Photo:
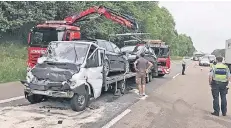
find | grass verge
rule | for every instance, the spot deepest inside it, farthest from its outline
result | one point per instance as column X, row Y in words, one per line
column 176, row 58
column 13, row 62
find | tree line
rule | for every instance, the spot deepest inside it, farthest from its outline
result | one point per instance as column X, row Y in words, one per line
column 16, row 19
column 219, row 52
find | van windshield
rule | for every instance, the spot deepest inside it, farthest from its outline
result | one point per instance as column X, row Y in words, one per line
column 67, row 52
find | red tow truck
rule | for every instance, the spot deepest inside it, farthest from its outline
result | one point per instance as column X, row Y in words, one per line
column 162, row 51
column 66, row 30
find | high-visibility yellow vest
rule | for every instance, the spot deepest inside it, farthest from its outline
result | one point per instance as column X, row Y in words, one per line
column 220, row 72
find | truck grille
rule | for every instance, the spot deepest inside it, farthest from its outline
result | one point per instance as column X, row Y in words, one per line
column 34, row 58
column 161, row 63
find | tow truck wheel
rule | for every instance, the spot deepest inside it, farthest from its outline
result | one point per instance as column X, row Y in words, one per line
column 106, row 67
column 161, row 75
column 147, row 79
column 79, row 102
column 150, row 77
column 122, row 87
column 33, row 98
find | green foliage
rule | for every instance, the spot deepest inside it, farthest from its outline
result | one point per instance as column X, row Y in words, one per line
column 16, row 18
column 219, row 52
column 13, row 64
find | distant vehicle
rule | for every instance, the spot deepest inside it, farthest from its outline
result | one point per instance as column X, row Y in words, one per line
column 135, row 51
column 187, row 57
column 195, row 58
column 212, row 58
column 204, row 62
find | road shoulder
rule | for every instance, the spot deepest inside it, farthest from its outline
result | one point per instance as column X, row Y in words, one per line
column 185, row 101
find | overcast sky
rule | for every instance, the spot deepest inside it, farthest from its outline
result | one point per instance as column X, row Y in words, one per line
column 208, row 23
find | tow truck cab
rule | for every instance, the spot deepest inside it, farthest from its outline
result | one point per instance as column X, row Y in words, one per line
column 41, row 35
column 162, row 51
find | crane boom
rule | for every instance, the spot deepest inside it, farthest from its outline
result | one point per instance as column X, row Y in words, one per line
column 122, row 19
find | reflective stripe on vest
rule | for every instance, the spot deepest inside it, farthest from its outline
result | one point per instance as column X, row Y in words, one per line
column 220, row 72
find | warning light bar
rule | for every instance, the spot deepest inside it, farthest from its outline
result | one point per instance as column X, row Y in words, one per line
column 55, row 22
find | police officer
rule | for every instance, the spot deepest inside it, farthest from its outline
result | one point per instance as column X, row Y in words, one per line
column 183, row 66
column 219, row 80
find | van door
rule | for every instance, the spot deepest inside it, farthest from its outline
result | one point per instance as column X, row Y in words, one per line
column 94, row 70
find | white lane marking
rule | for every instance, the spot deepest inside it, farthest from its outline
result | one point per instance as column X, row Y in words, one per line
column 11, row 99
column 176, row 75
column 116, row 119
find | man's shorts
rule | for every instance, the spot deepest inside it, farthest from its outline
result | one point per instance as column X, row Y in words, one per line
column 141, row 78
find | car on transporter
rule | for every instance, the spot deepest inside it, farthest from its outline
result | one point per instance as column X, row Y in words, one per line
column 134, row 51
column 116, row 61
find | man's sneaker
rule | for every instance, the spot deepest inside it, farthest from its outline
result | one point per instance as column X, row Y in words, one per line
column 215, row 114
column 224, row 114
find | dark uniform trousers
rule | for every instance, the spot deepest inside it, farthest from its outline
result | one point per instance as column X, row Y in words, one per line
column 219, row 88
column 183, row 69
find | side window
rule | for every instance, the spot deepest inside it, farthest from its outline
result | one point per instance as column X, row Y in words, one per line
column 109, row 47
column 102, row 44
column 116, row 49
column 93, row 61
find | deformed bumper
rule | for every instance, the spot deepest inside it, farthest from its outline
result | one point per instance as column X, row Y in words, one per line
column 60, row 94
column 163, row 70
column 63, row 91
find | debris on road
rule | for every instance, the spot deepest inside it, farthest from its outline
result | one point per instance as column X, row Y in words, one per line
column 38, row 116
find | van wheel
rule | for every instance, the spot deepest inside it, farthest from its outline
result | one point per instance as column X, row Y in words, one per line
column 79, row 102
column 34, row 98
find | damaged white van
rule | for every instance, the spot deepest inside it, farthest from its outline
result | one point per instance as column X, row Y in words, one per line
column 72, row 70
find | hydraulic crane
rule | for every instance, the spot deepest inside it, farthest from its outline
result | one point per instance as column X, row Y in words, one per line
column 66, row 30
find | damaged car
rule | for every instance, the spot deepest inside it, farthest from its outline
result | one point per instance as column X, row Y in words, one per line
column 67, row 70
column 133, row 52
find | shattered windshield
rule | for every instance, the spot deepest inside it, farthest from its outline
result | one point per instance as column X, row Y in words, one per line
column 67, row 52
column 42, row 37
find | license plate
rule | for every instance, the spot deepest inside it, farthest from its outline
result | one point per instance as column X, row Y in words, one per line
column 41, row 92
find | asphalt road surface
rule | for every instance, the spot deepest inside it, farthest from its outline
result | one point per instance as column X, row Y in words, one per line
column 15, row 111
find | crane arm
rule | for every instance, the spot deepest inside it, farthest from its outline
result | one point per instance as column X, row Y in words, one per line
column 122, row 19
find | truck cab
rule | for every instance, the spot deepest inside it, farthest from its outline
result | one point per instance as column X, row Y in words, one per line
column 163, row 54
column 228, row 53
column 42, row 34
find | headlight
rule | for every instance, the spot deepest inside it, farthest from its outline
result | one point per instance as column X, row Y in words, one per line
column 29, row 77
column 69, row 82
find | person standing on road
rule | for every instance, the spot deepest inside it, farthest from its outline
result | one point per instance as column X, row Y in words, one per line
column 142, row 67
column 219, row 78
column 183, row 66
